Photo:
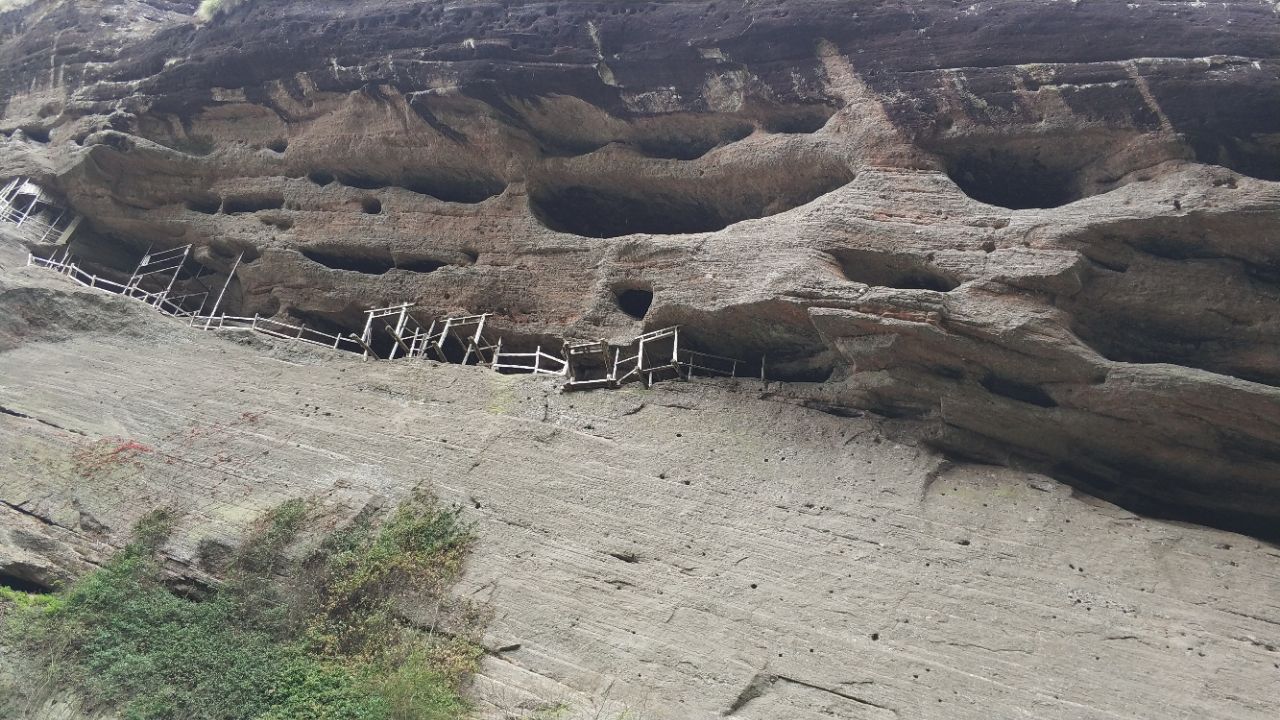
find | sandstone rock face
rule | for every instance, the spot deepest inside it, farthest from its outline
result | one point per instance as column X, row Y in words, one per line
column 1039, row 236
column 1046, row 230
column 697, row 550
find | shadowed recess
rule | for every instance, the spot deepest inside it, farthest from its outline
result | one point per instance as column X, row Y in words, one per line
column 656, row 205
column 894, row 270
column 1012, row 181
column 634, row 302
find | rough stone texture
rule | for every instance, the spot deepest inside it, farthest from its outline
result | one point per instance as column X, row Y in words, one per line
column 692, row 551
column 799, row 180
column 1037, row 235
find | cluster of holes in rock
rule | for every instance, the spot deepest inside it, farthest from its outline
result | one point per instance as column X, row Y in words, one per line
column 902, row 271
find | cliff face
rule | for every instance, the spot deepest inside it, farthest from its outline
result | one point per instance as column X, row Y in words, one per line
column 1046, row 230
column 1037, row 235
column 690, row 552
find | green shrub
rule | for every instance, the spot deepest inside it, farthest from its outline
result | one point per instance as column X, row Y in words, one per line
column 327, row 644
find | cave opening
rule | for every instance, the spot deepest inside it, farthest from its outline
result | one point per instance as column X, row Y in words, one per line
column 253, row 203
column 362, row 260
column 659, row 204
column 1247, row 156
column 320, row 178
column 1013, row 181
column 205, row 204
column 23, row 584
column 598, row 213
column 691, row 146
column 362, row 182
column 455, row 189
column 901, row 271
column 278, row 145
column 468, row 190
column 419, row 265
column 635, row 302
column 37, row 134
column 1019, row 391
column 371, row 206
column 798, row 123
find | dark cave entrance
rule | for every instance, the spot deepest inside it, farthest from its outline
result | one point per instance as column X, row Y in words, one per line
column 23, row 584
column 1013, row 181
column 605, row 214
column 901, row 271
column 635, row 302
column 1251, row 157
column 367, row 261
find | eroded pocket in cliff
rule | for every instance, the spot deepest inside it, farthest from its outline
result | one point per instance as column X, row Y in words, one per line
column 1013, row 180
column 379, row 261
column 1136, row 309
column 456, row 188
column 675, row 203
column 902, row 271
column 1034, row 171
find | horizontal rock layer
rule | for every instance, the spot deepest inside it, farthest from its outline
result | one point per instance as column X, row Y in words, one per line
column 698, row 550
column 1044, row 232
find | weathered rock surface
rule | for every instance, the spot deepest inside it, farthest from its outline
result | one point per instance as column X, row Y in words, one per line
column 1041, row 236
column 802, row 181
column 693, row 551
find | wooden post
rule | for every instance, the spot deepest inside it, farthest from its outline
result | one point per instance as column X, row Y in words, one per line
column 52, row 226
column 367, row 350
column 762, row 362
column 404, row 318
column 367, row 336
column 218, row 302
column 145, row 257
column 176, row 272
column 65, row 237
column 537, row 357
column 399, row 341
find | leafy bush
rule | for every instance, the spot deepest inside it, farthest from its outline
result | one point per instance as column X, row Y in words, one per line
column 327, row 644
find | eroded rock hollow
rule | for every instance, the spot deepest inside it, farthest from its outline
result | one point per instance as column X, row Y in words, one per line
column 1043, row 232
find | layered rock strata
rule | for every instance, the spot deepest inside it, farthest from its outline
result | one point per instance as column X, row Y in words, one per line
column 1044, row 231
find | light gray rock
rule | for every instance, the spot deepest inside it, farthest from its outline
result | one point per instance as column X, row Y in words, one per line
column 693, row 551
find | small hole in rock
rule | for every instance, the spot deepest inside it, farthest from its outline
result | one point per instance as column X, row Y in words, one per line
column 635, row 302
column 371, row 206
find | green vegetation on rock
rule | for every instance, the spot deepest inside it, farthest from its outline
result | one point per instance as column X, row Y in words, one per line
column 321, row 634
